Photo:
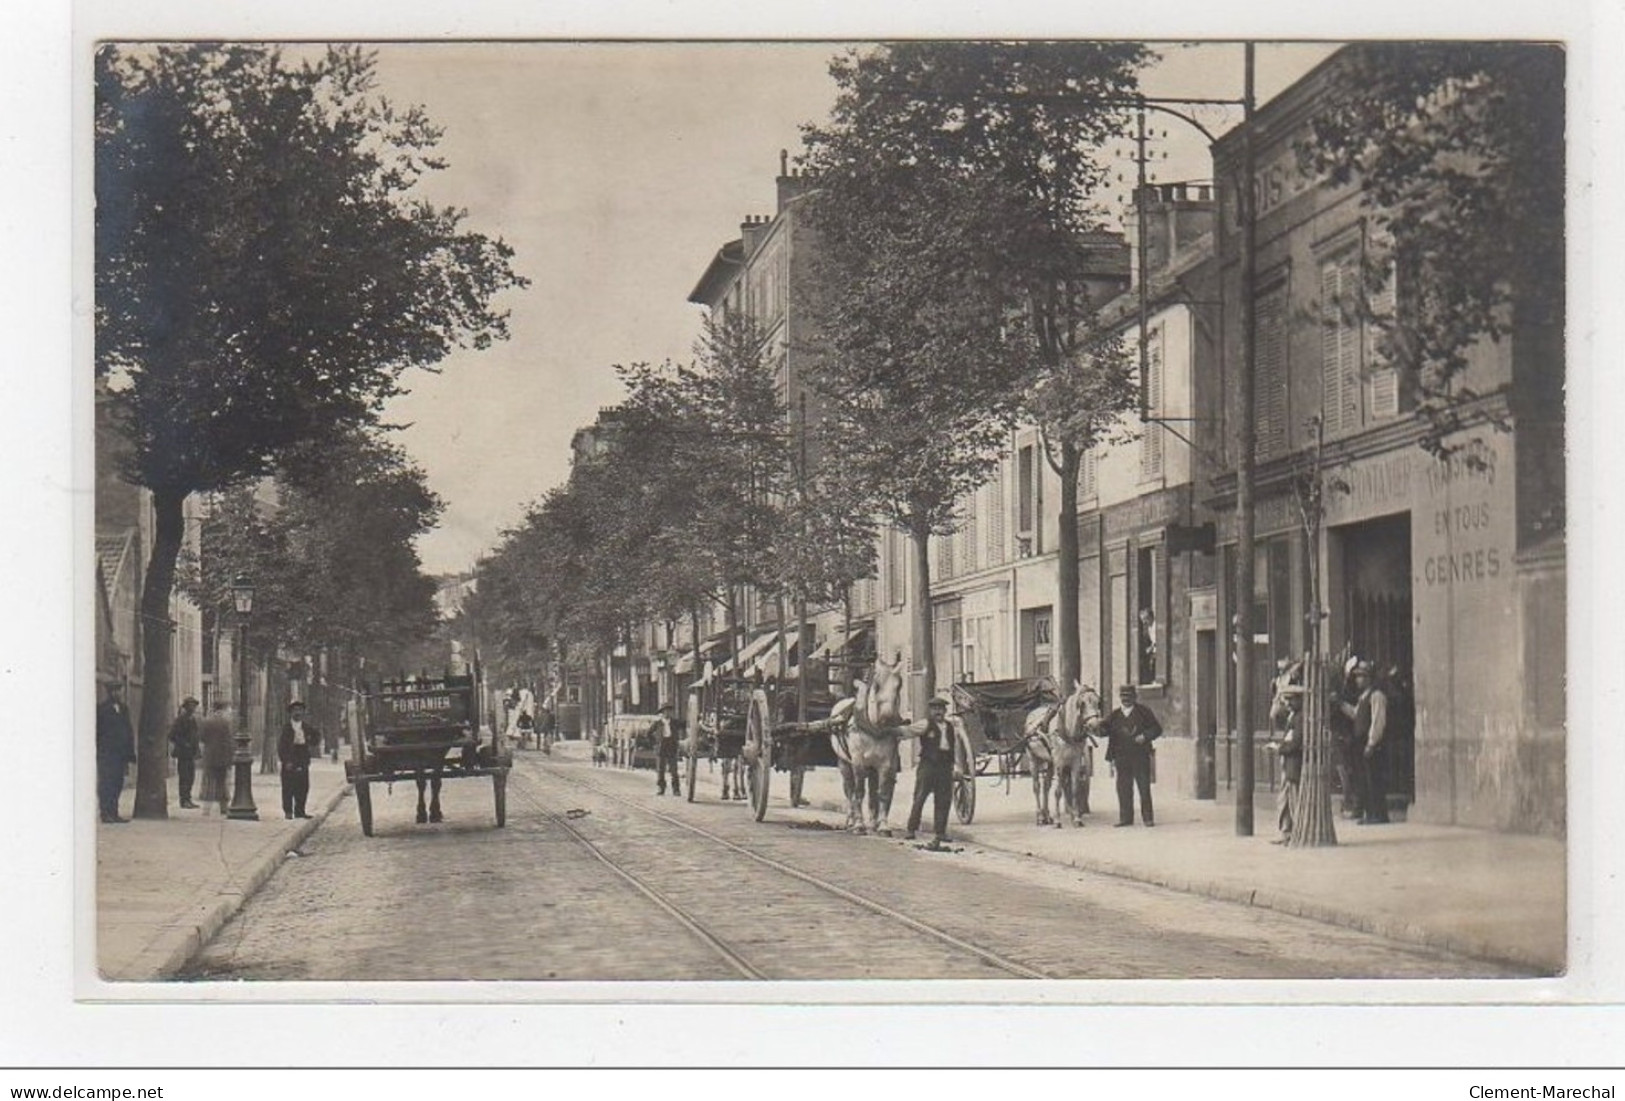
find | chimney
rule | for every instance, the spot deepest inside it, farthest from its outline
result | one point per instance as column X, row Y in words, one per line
column 751, row 231
column 1176, row 214
column 791, row 183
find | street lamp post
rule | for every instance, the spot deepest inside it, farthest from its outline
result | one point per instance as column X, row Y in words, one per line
column 242, row 795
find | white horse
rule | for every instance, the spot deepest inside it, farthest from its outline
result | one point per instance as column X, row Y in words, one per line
column 867, row 747
column 1060, row 743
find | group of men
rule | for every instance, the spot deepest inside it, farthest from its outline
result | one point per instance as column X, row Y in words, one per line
column 209, row 741
column 1358, row 716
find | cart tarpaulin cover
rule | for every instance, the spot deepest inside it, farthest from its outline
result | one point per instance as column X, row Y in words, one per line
column 994, row 713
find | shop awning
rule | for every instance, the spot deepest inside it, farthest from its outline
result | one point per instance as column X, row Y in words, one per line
column 744, row 659
column 838, row 644
column 708, row 651
column 768, row 663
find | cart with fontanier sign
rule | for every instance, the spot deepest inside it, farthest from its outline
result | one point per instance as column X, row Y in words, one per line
column 425, row 729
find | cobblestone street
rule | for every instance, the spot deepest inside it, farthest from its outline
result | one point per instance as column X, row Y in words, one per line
column 597, row 878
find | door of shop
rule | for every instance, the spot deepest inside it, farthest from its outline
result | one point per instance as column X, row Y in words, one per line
column 1377, row 616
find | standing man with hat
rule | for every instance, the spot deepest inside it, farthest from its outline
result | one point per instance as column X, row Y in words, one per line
column 671, row 738
column 293, row 749
column 1370, row 715
column 183, row 743
column 934, row 774
column 115, row 748
column 1131, row 731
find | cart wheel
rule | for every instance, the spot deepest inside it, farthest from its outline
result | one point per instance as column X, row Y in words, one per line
column 499, row 788
column 964, row 776
column 759, row 751
column 363, row 802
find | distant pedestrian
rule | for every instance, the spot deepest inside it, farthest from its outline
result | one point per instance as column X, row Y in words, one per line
column 293, row 749
column 1131, row 734
column 115, row 749
column 671, row 737
column 216, row 735
column 1290, row 748
column 1370, row 716
column 183, row 744
column 934, row 773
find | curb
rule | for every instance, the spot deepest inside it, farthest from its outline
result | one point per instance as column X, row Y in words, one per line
column 193, row 940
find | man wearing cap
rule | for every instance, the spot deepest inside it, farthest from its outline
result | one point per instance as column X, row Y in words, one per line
column 115, row 749
column 671, row 739
column 183, row 744
column 293, row 749
column 934, row 774
column 1131, row 731
column 1370, row 716
column 1346, row 758
column 1290, row 747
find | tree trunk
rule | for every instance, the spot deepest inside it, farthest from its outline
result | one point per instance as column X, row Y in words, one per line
column 157, row 671
column 1070, row 668
column 923, row 649
column 1314, row 825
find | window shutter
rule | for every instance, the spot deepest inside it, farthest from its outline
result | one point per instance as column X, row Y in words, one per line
column 1269, row 383
column 1382, row 398
column 1339, row 347
column 995, row 519
column 1089, row 476
column 970, row 547
column 1151, row 442
column 1025, row 476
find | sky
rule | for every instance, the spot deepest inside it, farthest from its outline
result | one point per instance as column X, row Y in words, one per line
column 616, row 170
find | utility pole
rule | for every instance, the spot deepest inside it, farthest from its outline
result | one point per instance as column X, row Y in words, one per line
column 1246, row 440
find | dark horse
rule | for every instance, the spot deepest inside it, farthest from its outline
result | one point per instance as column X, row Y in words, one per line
column 429, row 779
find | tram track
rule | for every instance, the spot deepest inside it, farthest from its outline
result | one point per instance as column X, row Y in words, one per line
column 704, row 931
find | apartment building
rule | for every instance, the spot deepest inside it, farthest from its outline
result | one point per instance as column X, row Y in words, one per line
column 1448, row 571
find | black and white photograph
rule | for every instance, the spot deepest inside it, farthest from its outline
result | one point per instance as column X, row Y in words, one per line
column 923, row 509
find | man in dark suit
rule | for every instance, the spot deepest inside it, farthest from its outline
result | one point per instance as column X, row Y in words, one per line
column 115, row 749
column 183, row 744
column 293, row 749
column 670, row 740
column 1131, row 732
column 934, row 774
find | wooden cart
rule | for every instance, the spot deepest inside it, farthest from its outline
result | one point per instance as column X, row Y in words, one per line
column 425, row 728
column 993, row 716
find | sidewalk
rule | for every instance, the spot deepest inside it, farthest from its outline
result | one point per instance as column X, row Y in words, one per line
column 164, row 887
column 1489, row 895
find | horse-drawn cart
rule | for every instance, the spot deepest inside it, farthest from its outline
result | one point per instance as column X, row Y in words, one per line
column 776, row 740
column 424, row 729
column 995, row 716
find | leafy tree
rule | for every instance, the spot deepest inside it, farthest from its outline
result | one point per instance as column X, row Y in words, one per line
column 956, row 196
column 264, row 277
